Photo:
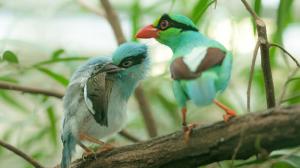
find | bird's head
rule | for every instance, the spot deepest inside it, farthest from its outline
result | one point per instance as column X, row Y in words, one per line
column 167, row 27
column 133, row 58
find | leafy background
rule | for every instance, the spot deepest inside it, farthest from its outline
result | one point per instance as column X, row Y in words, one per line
column 42, row 42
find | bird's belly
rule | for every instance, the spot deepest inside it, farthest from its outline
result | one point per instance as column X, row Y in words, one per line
column 116, row 121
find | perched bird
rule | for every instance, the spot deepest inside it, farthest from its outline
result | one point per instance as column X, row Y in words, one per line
column 200, row 66
column 96, row 98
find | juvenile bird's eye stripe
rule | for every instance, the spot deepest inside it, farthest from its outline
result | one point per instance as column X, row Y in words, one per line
column 138, row 59
column 173, row 23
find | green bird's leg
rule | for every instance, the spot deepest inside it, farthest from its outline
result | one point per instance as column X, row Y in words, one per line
column 229, row 112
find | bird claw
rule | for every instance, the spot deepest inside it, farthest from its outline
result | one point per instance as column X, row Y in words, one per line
column 86, row 154
column 229, row 114
column 105, row 147
column 187, row 132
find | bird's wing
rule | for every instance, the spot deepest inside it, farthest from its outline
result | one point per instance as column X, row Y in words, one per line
column 198, row 60
column 97, row 91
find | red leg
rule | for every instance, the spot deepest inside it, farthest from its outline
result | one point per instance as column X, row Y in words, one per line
column 183, row 113
column 87, row 151
column 104, row 147
column 229, row 112
column 187, row 129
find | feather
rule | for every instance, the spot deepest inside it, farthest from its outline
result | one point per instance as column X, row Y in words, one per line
column 97, row 91
column 198, row 61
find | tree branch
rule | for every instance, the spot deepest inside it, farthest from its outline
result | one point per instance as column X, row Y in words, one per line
column 139, row 93
column 147, row 114
column 21, row 154
column 10, row 86
column 114, row 21
column 265, row 56
column 274, row 129
column 87, row 6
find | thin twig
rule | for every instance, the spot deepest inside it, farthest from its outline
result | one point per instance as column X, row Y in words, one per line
column 290, row 98
column 114, row 21
column 285, row 51
column 25, row 89
column 251, row 75
column 139, row 93
column 216, row 3
column 128, row 136
column 89, row 7
column 254, row 15
column 237, row 148
column 289, row 79
column 21, row 154
column 265, row 56
column 147, row 114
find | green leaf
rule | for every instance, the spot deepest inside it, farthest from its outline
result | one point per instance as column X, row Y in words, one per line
column 35, row 138
column 57, row 53
column 255, row 161
column 10, row 57
column 284, row 17
column 59, row 60
column 170, row 107
column 8, row 79
column 283, row 164
column 52, row 120
column 199, row 9
column 11, row 100
column 135, row 18
column 257, row 9
column 57, row 77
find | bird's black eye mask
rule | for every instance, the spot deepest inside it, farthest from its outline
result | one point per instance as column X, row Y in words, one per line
column 166, row 22
column 132, row 60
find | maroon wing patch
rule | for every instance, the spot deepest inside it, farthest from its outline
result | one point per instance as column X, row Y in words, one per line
column 179, row 70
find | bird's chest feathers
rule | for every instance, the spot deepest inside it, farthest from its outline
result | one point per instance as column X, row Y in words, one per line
column 197, row 61
column 194, row 58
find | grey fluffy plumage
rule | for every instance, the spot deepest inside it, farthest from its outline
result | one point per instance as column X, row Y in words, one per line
column 96, row 97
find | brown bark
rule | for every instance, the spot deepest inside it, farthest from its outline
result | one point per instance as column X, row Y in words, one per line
column 275, row 129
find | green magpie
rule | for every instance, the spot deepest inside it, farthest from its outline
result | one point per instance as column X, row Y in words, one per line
column 96, row 97
column 200, row 66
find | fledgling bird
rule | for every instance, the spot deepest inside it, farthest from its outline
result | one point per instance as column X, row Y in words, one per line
column 200, row 66
column 96, row 97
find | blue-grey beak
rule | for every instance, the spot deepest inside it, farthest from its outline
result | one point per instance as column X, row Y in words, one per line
column 112, row 68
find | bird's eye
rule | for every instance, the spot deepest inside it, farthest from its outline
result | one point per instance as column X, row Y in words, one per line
column 164, row 24
column 127, row 64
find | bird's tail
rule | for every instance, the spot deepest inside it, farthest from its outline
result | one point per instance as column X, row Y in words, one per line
column 69, row 143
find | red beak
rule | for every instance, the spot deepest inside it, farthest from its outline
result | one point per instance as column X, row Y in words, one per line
column 148, row 32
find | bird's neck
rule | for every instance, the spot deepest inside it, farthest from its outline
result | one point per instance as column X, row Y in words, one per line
column 126, row 88
column 128, row 79
column 182, row 43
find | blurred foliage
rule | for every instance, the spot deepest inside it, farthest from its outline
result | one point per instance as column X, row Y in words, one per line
column 32, row 122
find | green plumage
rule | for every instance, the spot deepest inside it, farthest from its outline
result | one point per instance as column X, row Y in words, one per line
column 205, row 87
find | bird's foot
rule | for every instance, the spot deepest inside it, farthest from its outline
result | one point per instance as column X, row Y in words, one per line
column 187, row 132
column 105, row 147
column 229, row 114
column 87, row 153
